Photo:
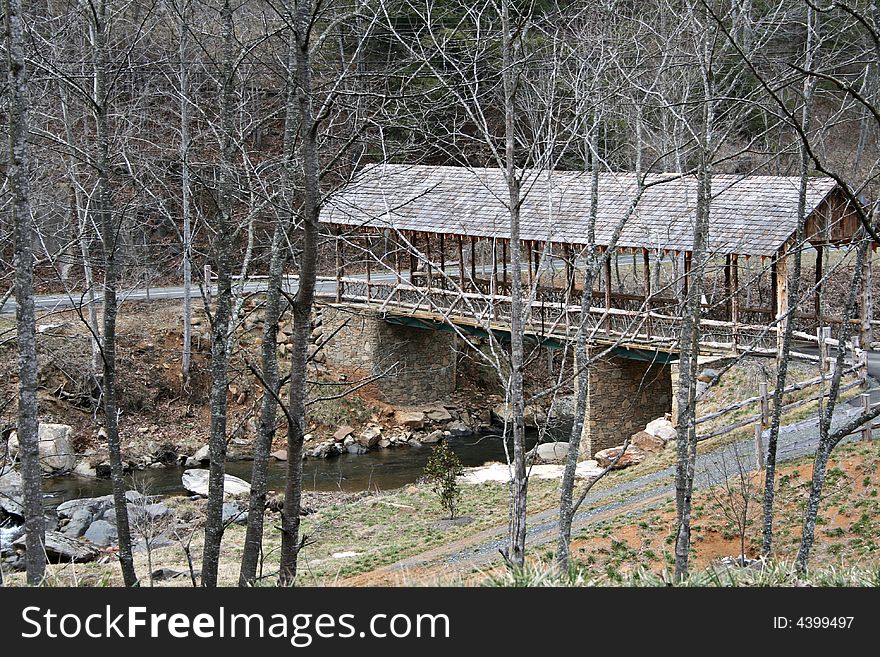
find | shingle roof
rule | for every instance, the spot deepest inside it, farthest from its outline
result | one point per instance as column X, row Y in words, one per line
column 750, row 215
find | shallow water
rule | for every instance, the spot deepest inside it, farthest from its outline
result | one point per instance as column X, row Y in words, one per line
column 381, row 469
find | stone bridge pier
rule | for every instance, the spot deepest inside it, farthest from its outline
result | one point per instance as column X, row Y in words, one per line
column 422, row 362
column 624, row 393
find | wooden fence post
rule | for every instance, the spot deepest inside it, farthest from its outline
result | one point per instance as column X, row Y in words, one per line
column 759, row 445
column 866, row 406
column 765, row 404
column 822, row 333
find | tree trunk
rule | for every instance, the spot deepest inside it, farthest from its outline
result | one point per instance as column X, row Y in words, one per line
column 109, row 237
column 828, row 440
column 28, row 421
column 220, row 327
column 253, row 541
column 183, row 80
column 793, row 287
column 302, row 307
column 515, row 551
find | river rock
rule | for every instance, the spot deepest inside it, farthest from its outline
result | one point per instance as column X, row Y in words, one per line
column 64, row 549
column 370, row 436
column 433, row 437
column 438, row 414
column 708, row 375
column 662, row 428
column 343, row 432
column 79, row 522
column 8, row 535
column 101, row 533
column 10, row 480
column 552, row 451
column 84, row 469
column 356, row 448
column 202, row 455
column 232, row 513
column 410, row 419
column 459, row 429
column 56, row 451
column 196, row 481
column 279, row 455
column 632, row 456
column 648, row 442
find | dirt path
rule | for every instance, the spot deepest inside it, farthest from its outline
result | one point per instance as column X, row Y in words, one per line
column 481, row 550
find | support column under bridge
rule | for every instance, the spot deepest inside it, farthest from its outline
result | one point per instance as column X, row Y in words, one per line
column 422, row 362
column 625, row 391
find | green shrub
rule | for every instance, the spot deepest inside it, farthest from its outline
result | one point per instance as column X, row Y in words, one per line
column 441, row 472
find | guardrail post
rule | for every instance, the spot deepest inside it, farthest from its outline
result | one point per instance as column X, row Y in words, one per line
column 866, row 407
column 208, row 290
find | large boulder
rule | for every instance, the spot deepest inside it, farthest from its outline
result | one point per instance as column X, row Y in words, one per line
column 65, row 549
column 232, row 513
column 648, row 442
column 343, row 432
column 202, row 455
column 632, row 456
column 661, row 428
column 433, row 437
column 410, row 419
column 552, row 451
column 370, row 436
column 437, row 414
column 196, row 481
column 101, row 533
column 56, row 451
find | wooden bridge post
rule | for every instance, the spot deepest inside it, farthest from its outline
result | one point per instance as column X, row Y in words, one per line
column 780, row 298
column 646, row 283
column 867, row 301
column 340, row 267
column 460, row 263
column 866, row 407
column 734, row 299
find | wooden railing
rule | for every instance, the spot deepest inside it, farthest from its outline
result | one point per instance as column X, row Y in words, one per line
column 560, row 318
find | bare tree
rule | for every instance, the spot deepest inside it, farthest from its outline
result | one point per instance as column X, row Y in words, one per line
column 28, row 423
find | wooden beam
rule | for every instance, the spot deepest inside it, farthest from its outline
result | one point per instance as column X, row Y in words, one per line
column 474, row 261
column 460, row 262
column 727, row 286
column 494, row 263
column 607, row 282
column 504, row 262
column 817, row 295
column 340, row 266
column 774, row 288
column 780, row 297
column 412, row 258
column 428, row 258
column 646, row 284
column 734, row 297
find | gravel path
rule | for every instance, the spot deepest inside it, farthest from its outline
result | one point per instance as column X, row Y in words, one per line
column 645, row 492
